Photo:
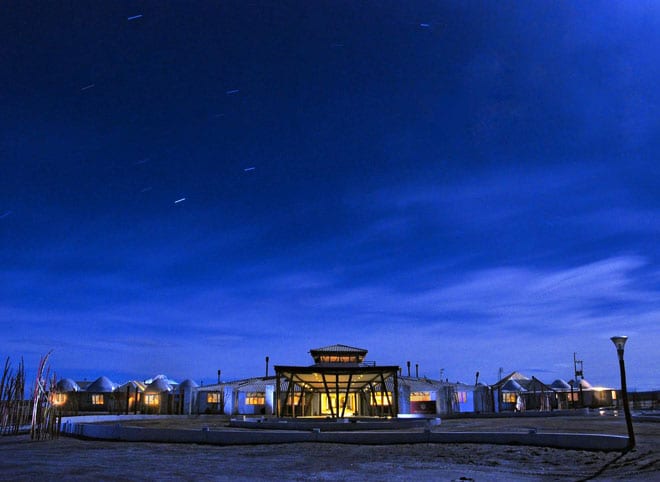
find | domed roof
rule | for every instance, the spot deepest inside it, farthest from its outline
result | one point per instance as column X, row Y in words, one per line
column 188, row 383
column 160, row 377
column 512, row 386
column 560, row 384
column 159, row 385
column 67, row 385
column 102, row 385
column 585, row 384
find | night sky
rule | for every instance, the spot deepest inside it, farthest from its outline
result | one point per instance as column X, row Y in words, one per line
column 192, row 186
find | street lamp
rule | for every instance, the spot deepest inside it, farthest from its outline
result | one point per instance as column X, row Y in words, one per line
column 620, row 342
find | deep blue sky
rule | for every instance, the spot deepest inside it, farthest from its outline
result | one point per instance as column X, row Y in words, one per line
column 465, row 185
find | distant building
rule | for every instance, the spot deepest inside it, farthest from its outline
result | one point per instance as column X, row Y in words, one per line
column 339, row 384
column 158, row 395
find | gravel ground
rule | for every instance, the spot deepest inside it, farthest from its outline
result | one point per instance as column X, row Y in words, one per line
column 73, row 459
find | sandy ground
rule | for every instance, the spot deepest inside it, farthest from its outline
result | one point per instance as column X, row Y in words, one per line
column 73, row 459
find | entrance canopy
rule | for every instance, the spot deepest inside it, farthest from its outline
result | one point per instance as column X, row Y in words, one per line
column 339, row 387
column 339, row 383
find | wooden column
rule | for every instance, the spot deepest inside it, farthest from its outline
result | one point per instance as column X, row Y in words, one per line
column 395, row 380
column 348, row 390
column 327, row 392
column 277, row 394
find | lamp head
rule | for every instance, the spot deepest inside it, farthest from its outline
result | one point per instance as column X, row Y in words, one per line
column 619, row 342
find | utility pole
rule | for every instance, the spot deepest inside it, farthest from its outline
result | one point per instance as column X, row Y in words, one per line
column 579, row 375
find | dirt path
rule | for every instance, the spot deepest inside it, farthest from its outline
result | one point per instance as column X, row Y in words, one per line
column 72, row 459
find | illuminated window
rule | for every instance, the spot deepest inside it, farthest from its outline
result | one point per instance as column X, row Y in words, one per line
column 381, row 399
column 97, row 399
column 509, row 397
column 213, row 397
column 255, row 398
column 151, row 399
column 613, row 394
column 338, row 359
column 460, row 397
column 293, row 399
column 58, row 398
column 345, row 405
column 421, row 397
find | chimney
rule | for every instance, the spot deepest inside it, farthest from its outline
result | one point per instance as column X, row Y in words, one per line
column 219, row 371
column 267, row 360
column 408, row 364
column 416, row 370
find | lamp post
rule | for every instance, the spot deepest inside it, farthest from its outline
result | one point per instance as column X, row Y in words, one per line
column 620, row 342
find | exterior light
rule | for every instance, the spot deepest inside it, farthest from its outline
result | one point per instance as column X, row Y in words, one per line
column 619, row 343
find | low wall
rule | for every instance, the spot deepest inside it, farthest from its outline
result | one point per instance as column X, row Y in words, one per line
column 116, row 418
column 341, row 425
column 252, row 437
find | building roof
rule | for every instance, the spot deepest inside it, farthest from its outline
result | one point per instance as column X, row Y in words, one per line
column 132, row 385
column 585, row 384
column 560, row 384
column 534, row 385
column 512, row 386
column 255, row 385
column 339, row 349
column 67, row 385
column 517, row 376
column 101, row 385
column 188, row 383
column 164, row 377
column 158, row 385
column 342, row 377
column 421, row 384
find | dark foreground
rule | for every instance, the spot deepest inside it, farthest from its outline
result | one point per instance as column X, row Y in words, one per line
column 72, row 459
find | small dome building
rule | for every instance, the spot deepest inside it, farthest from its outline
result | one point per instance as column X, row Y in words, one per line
column 99, row 396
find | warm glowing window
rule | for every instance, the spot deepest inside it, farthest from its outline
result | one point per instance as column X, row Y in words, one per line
column 213, row 397
column 151, row 399
column 574, row 397
column 338, row 359
column 293, row 399
column 97, row 399
column 381, row 399
column 345, row 405
column 613, row 394
column 460, row 397
column 509, row 397
column 58, row 398
column 255, row 398
column 421, row 397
